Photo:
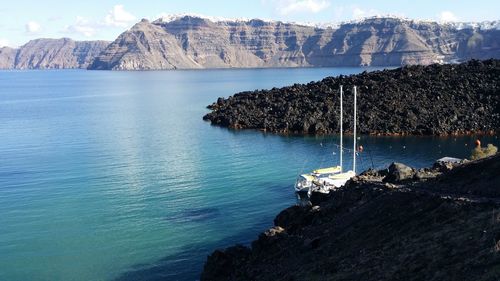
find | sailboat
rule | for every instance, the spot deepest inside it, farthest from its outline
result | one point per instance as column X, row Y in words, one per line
column 324, row 180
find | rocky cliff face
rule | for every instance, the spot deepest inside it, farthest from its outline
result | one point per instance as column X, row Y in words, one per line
column 437, row 224
column 194, row 42
column 7, row 57
column 51, row 54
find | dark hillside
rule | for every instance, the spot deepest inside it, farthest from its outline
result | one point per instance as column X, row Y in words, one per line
column 444, row 228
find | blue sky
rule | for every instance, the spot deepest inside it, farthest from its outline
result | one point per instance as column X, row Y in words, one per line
column 23, row 20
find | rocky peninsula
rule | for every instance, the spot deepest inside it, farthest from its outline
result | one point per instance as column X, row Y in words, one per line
column 411, row 100
column 440, row 223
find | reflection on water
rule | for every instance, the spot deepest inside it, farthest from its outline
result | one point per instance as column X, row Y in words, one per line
column 107, row 175
column 198, row 215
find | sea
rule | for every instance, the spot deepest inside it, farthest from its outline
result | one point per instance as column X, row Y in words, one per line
column 110, row 175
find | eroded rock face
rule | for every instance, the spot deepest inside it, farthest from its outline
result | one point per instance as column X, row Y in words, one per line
column 7, row 57
column 193, row 42
column 418, row 100
column 51, row 54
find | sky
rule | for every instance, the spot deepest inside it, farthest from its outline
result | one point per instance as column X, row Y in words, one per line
column 24, row 20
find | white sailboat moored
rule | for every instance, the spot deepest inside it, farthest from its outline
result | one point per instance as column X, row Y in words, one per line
column 324, row 180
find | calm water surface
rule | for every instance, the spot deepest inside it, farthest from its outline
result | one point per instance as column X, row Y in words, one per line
column 114, row 175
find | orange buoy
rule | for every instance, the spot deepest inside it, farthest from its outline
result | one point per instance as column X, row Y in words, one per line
column 360, row 148
column 478, row 143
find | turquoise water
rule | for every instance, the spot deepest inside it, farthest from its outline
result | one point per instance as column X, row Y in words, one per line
column 114, row 175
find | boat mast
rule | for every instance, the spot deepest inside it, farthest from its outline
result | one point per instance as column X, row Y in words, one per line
column 354, row 143
column 341, row 128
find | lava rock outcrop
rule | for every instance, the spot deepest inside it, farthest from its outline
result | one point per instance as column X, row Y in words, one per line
column 412, row 100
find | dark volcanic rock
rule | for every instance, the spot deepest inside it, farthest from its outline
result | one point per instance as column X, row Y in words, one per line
column 398, row 172
column 419, row 100
column 222, row 262
column 442, row 228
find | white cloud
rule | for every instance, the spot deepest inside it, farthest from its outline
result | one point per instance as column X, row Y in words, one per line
column 81, row 26
column 338, row 11
column 32, row 27
column 54, row 18
column 358, row 13
column 286, row 7
column 118, row 17
column 447, row 16
column 4, row 43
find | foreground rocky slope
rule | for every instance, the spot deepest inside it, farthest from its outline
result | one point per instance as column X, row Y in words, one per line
column 419, row 100
column 196, row 42
column 51, row 54
column 432, row 224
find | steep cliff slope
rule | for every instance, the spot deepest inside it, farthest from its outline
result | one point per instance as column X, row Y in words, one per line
column 7, row 57
column 195, row 42
column 186, row 42
column 144, row 46
column 51, row 54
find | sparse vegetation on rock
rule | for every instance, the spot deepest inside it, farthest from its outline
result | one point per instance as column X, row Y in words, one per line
column 482, row 152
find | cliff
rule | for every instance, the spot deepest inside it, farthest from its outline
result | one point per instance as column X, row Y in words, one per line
column 7, row 57
column 187, row 42
column 51, row 54
column 437, row 224
column 195, row 42
column 417, row 100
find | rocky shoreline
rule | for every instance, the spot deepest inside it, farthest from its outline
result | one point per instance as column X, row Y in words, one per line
column 440, row 223
column 455, row 99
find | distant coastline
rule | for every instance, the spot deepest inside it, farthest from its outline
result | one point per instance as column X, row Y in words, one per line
column 193, row 42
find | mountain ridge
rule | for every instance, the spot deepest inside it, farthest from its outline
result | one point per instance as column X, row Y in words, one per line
column 485, row 25
column 196, row 42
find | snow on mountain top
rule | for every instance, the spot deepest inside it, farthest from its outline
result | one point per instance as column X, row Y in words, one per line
column 174, row 17
column 485, row 25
